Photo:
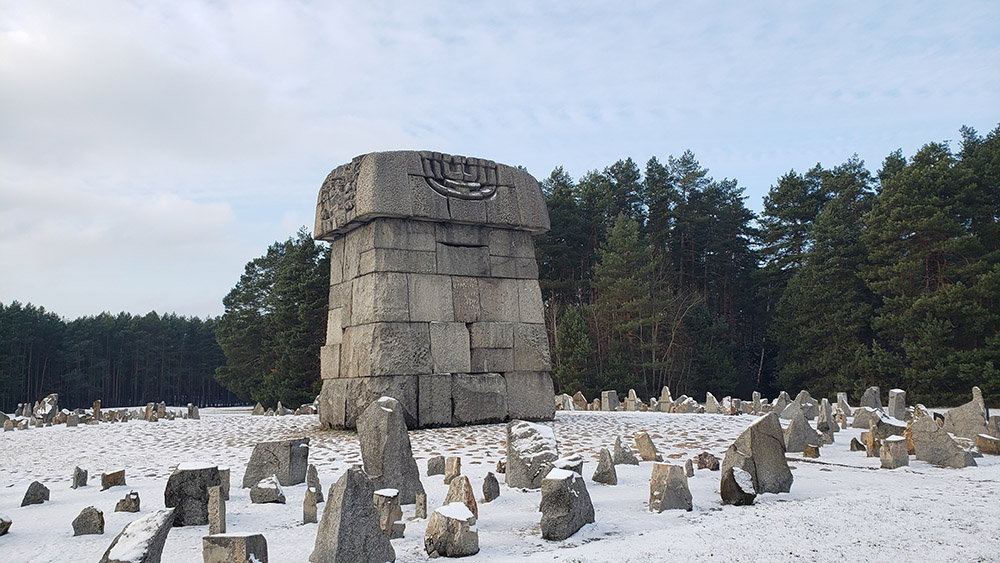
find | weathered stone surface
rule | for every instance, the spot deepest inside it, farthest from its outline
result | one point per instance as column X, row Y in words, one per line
column 842, row 402
column 435, row 465
column 434, row 400
column 872, row 398
column 216, row 511
column 451, row 532
column 825, row 421
column 933, row 445
column 647, row 450
column 37, row 493
column 452, row 468
column 528, row 394
column 810, row 451
column 531, row 451
column 988, row 444
column 781, row 403
column 385, row 449
column 579, row 401
column 893, row 453
column 863, row 416
column 142, row 540
column 113, row 479
column 450, row 352
column 79, row 478
column 460, row 490
column 799, row 433
column 623, row 454
column 258, row 410
column 689, row 467
column 286, row 459
column 609, row 401
column 187, row 489
column 5, row 523
column 349, row 530
column 760, row 451
column 387, row 507
column 566, row 506
column 706, row 460
column 605, row 472
column 712, row 404
column 668, row 488
column 313, row 483
column 897, row 404
column 309, row 510
column 267, row 490
column 420, row 510
column 736, row 487
column 89, row 521
column 130, row 503
column 491, row 487
column 480, row 398
column 968, row 420
column 234, row 548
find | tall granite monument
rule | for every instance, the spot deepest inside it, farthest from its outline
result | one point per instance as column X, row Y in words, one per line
column 434, row 296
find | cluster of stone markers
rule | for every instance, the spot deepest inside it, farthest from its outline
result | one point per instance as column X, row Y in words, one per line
column 47, row 413
column 434, row 295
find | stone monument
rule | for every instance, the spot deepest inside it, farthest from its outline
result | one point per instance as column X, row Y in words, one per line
column 434, row 296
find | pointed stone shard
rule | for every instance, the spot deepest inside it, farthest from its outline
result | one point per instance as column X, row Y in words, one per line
column 605, row 472
column 451, row 532
column 258, row 410
column 37, row 493
column 460, row 490
column 452, row 468
column 349, row 531
column 933, row 445
column 312, row 482
column 810, row 451
column 712, row 404
column 435, row 465
column 491, row 487
column 668, row 488
column 579, row 401
column 385, row 449
column 79, row 478
column 267, row 490
column 799, row 433
column 531, row 451
column 420, row 511
column 141, row 541
column 666, row 401
column 825, row 422
column 309, row 510
column 872, row 398
column 736, row 487
column 760, row 451
column 286, row 459
column 566, row 506
column 968, row 420
column 389, row 513
column 5, row 523
column 234, row 548
column 781, row 403
column 187, row 489
column 623, row 455
column 89, row 521
column 128, row 504
column 689, row 468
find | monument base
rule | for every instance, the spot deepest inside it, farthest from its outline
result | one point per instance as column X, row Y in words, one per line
column 449, row 399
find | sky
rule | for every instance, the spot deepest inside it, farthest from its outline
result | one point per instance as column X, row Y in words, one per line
column 149, row 150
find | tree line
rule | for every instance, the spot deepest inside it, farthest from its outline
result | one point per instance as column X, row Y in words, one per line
column 121, row 359
column 846, row 279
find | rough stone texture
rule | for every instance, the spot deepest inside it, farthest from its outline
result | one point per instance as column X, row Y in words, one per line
column 451, row 532
column 799, row 433
column 994, row 426
column 531, row 451
column 647, row 450
column 810, row 451
column 267, row 490
column 579, row 401
column 313, row 483
column 460, row 490
column 187, row 489
column 432, row 272
column 79, row 478
column 234, row 548
column 113, row 479
column 623, row 454
column 988, row 444
column 897, row 404
column 842, row 402
column 420, row 511
column 933, row 445
column 782, row 402
column 566, row 506
column 216, row 511
column 89, row 521
column 287, row 459
column 37, row 493
column 385, row 449
column 480, row 398
column 872, row 398
column 387, row 506
column 825, row 421
column 712, row 404
column 609, row 401
column 668, row 488
column 145, row 535
column 760, row 451
column 435, row 465
column 736, row 487
column 452, row 468
column 863, row 416
column 128, row 504
column 528, row 393
column 968, row 420
column 708, row 461
column 309, row 510
column 5, row 523
column 605, row 472
column 491, row 487
column 893, row 452
column 349, row 530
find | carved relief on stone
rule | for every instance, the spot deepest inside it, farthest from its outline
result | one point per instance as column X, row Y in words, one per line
column 336, row 196
column 459, row 176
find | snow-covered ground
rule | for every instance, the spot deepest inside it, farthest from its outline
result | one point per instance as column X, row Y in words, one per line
column 841, row 507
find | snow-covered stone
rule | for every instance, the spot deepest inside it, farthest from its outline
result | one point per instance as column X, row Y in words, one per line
column 893, row 453
column 623, row 454
column 736, row 487
column 451, row 532
column 267, row 490
column 668, row 488
column 234, row 548
column 605, row 472
column 933, row 445
column 89, row 521
column 566, row 506
column 385, row 449
column 349, row 531
column 142, row 540
column 128, row 504
column 389, row 512
column 968, row 420
column 760, row 451
column 531, row 450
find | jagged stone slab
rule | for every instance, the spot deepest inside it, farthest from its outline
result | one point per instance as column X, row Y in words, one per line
column 349, row 531
column 451, row 532
column 623, row 454
column 736, row 487
column 566, row 506
column 142, row 540
column 605, row 472
column 267, row 490
column 286, row 459
column 799, row 433
column 668, row 488
column 37, row 493
column 491, row 487
column 234, row 548
column 933, row 445
column 760, row 451
column 968, row 420
column 531, row 451
column 385, row 449
column 187, row 490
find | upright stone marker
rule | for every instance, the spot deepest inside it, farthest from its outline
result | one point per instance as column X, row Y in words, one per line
column 434, row 296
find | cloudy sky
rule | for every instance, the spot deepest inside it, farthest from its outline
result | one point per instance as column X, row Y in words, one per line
column 148, row 150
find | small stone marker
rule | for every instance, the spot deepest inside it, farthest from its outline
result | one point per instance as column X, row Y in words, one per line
column 216, row 511
column 128, row 504
column 5, row 523
column 187, row 489
column 799, row 433
column 72, row 420
column 286, row 459
column 707, row 461
column 566, row 506
column 142, row 540
column 234, row 548
column 37, row 493
column 435, row 465
column 893, row 452
column 668, row 488
column 451, row 532
column 258, row 410
column 857, row 446
column 810, row 451
column 605, row 472
column 79, row 478
column 313, row 483
column 224, row 482
column 113, row 479
column 389, row 513
column 90, row 521
column 491, row 487
column 309, row 511
column 623, row 455
column 386, row 451
column 349, row 530
column 736, row 487
column 609, row 401
column 460, row 490
column 689, row 468
column 452, row 468
column 267, row 490
column 420, row 511
column 647, row 450
column 988, row 444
